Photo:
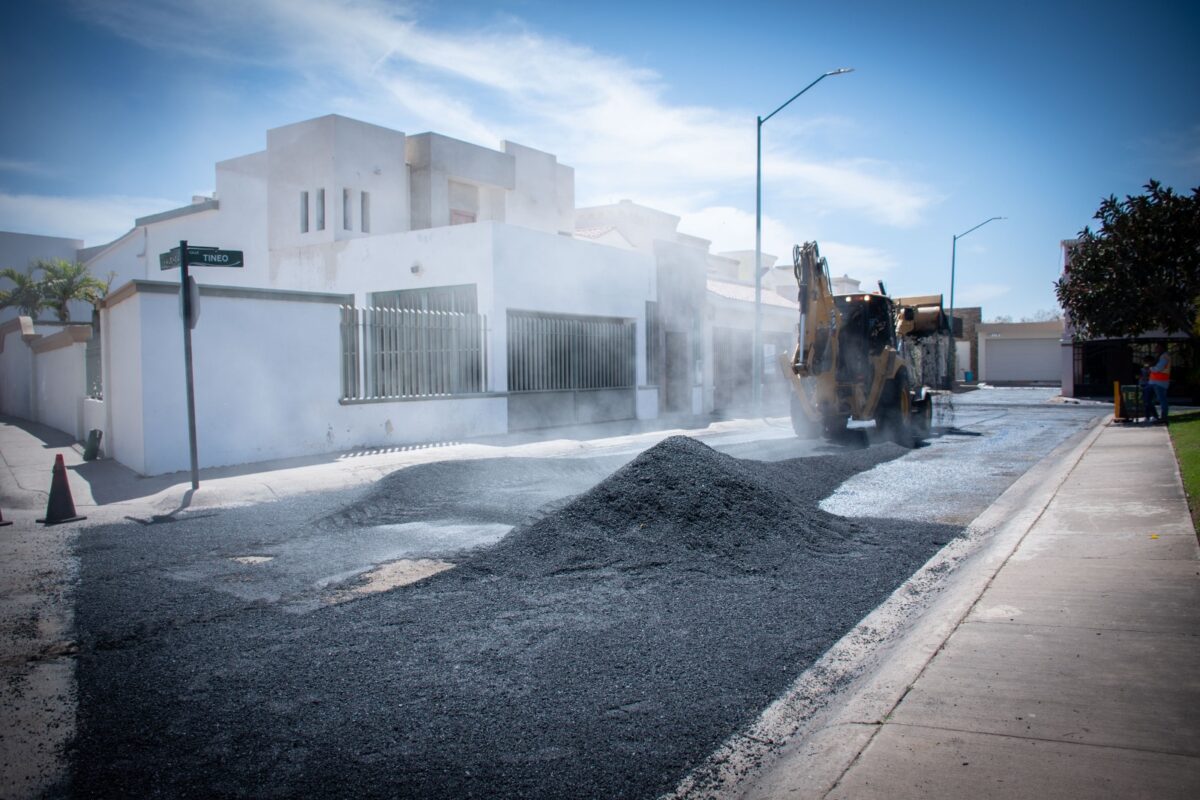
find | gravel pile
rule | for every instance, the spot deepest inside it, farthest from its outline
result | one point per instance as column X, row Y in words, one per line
column 602, row 650
column 683, row 505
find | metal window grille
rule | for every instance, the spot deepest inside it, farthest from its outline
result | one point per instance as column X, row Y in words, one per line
column 550, row 353
column 392, row 353
column 461, row 298
column 654, row 344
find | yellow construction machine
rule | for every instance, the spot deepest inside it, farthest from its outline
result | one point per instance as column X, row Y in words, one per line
column 854, row 357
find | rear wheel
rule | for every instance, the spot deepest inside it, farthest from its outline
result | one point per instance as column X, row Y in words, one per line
column 923, row 418
column 895, row 417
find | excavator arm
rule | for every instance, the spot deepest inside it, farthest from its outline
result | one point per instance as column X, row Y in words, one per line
column 814, row 343
column 815, row 351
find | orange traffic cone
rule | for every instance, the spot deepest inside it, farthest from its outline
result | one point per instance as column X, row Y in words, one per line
column 60, row 508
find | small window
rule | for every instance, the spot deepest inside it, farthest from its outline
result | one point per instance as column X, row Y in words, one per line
column 346, row 210
column 320, row 209
column 364, row 215
column 304, row 212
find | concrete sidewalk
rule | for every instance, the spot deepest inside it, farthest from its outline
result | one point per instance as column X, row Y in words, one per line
column 1073, row 674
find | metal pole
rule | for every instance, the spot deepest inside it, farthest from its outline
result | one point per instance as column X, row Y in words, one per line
column 186, row 300
column 953, row 341
column 953, row 253
column 757, row 367
column 756, row 370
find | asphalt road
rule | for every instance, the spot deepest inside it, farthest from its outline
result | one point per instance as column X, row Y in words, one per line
column 598, row 635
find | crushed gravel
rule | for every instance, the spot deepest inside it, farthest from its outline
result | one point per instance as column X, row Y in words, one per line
column 512, row 491
column 602, row 649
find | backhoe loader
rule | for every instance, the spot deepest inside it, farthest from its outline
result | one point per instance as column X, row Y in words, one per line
column 853, row 357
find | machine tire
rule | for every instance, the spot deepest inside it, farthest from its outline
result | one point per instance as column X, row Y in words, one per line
column 894, row 417
column 923, row 418
column 804, row 427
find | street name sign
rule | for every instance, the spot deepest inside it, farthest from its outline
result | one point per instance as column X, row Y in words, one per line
column 202, row 257
column 189, row 307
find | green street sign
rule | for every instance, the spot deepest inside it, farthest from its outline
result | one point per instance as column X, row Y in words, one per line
column 202, row 257
column 214, row 258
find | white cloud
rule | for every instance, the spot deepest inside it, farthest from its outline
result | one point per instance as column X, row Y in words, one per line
column 733, row 229
column 604, row 116
column 854, row 186
column 456, row 117
column 24, row 167
column 95, row 220
column 857, row 261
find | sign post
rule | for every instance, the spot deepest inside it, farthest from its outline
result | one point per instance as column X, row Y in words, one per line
column 183, row 258
column 186, row 299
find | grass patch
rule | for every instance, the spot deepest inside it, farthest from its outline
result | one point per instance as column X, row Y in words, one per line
column 1185, row 435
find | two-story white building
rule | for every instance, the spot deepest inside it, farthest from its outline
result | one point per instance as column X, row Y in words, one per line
column 401, row 289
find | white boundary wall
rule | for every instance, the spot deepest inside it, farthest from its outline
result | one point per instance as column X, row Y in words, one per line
column 60, row 379
column 267, row 367
column 16, row 371
column 43, row 373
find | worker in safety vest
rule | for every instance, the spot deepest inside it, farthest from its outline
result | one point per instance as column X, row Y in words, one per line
column 1160, row 380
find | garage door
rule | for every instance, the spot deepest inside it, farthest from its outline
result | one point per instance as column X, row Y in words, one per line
column 1022, row 360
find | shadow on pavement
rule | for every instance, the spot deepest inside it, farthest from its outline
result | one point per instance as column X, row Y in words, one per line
column 51, row 438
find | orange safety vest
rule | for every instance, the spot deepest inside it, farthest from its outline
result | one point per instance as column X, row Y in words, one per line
column 1165, row 375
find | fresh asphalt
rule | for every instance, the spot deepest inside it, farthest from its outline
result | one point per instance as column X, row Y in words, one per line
column 204, row 676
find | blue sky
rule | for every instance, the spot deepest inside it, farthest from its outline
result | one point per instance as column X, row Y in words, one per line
column 956, row 112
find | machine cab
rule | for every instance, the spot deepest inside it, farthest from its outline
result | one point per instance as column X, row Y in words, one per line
column 866, row 326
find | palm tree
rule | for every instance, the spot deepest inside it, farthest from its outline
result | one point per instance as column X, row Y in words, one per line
column 26, row 293
column 64, row 281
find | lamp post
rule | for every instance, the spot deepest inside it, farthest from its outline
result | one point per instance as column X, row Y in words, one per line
column 953, row 255
column 757, row 361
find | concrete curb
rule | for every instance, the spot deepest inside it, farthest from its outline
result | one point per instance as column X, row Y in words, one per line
column 803, row 743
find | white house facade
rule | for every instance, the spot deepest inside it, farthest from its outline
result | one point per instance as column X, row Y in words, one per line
column 400, row 289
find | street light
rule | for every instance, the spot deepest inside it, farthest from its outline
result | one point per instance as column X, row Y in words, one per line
column 757, row 368
column 953, row 255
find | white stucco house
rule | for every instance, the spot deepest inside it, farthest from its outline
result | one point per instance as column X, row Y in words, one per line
column 399, row 289
column 703, row 317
